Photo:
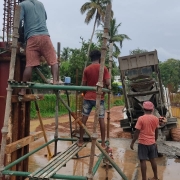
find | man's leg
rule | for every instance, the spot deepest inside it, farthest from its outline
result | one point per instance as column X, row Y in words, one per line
column 26, row 77
column 154, row 167
column 54, row 71
column 143, row 169
column 102, row 129
column 84, row 120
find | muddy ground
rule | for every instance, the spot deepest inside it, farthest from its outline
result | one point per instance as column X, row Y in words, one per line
column 126, row 159
column 115, row 131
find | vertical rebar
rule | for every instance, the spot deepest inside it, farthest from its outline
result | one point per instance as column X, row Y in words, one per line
column 9, row 90
column 99, row 88
column 58, row 58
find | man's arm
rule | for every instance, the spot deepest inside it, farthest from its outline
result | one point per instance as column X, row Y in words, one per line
column 107, row 83
column 156, row 134
column 84, row 83
column 135, row 137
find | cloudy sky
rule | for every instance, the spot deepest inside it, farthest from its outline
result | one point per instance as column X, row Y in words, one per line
column 151, row 24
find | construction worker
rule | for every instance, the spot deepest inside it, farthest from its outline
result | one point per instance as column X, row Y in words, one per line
column 147, row 134
column 90, row 78
column 38, row 42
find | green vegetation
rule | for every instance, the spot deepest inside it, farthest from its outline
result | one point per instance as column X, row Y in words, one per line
column 170, row 73
column 47, row 106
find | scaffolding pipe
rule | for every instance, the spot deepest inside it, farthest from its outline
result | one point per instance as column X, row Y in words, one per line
column 55, row 176
column 55, row 87
column 27, row 155
column 77, row 119
column 95, row 168
column 4, row 130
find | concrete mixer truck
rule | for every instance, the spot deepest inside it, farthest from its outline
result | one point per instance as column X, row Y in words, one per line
column 141, row 81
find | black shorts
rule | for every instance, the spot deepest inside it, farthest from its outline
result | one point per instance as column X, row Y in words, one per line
column 146, row 152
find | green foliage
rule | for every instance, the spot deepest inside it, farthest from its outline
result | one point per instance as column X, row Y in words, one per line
column 76, row 62
column 119, row 102
column 47, row 106
column 46, row 71
column 137, row 51
column 170, row 73
column 115, row 89
column 115, row 37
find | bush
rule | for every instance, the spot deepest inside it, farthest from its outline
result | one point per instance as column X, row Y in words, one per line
column 47, row 106
column 118, row 102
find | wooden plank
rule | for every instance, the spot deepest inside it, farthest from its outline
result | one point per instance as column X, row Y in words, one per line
column 27, row 97
column 22, row 142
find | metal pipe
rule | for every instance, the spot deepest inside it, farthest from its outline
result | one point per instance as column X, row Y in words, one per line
column 95, row 168
column 70, row 121
column 55, row 87
column 55, row 176
column 96, row 142
column 53, row 161
column 74, row 152
column 26, row 156
column 56, row 122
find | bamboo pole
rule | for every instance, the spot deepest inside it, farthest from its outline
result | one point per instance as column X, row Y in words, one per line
column 109, row 94
column 9, row 90
column 42, row 126
column 56, row 122
column 99, row 89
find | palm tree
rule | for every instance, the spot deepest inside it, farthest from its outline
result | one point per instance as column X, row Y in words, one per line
column 114, row 37
column 95, row 8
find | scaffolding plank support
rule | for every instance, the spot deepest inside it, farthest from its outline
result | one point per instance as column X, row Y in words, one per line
column 22, row 142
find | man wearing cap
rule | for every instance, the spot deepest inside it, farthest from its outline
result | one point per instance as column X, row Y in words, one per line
column 147, row 134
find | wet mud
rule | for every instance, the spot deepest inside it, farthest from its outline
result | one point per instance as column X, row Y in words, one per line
column 125, row 158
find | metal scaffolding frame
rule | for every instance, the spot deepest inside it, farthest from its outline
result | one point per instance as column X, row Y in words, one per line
column 99, row 89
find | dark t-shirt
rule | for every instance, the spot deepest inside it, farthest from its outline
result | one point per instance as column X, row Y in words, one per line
column 91, row 76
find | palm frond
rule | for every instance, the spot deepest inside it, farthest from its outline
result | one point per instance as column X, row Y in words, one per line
column 89, row 16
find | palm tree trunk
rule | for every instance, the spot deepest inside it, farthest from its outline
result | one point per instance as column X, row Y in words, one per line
column 90, row 41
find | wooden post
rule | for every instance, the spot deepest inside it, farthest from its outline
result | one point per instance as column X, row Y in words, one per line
column 109, row 94
column 9, row 90
column 99, row 89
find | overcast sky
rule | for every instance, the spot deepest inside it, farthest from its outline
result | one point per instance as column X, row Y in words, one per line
column 151, row 24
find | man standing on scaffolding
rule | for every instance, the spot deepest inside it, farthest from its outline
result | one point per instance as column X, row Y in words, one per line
column 90, row 78
column 38, row 42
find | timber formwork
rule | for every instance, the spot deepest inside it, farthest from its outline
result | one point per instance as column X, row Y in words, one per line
column 49, row 171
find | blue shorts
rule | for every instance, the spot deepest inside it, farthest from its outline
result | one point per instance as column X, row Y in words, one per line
column 89, row 104
column 146, row 152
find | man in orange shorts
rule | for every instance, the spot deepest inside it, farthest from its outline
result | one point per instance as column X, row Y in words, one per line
column 147, row 134
column 37, row 39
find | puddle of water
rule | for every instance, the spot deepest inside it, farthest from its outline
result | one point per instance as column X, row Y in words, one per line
column 125, row 158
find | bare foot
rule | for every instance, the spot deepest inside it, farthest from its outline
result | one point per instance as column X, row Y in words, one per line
column 58, row 83
column 104, row 146
column 80, row 143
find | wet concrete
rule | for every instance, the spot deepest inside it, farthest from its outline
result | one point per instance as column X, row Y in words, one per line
column 126, row 159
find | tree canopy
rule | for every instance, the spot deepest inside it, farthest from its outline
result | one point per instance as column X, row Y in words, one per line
column 170, row 73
